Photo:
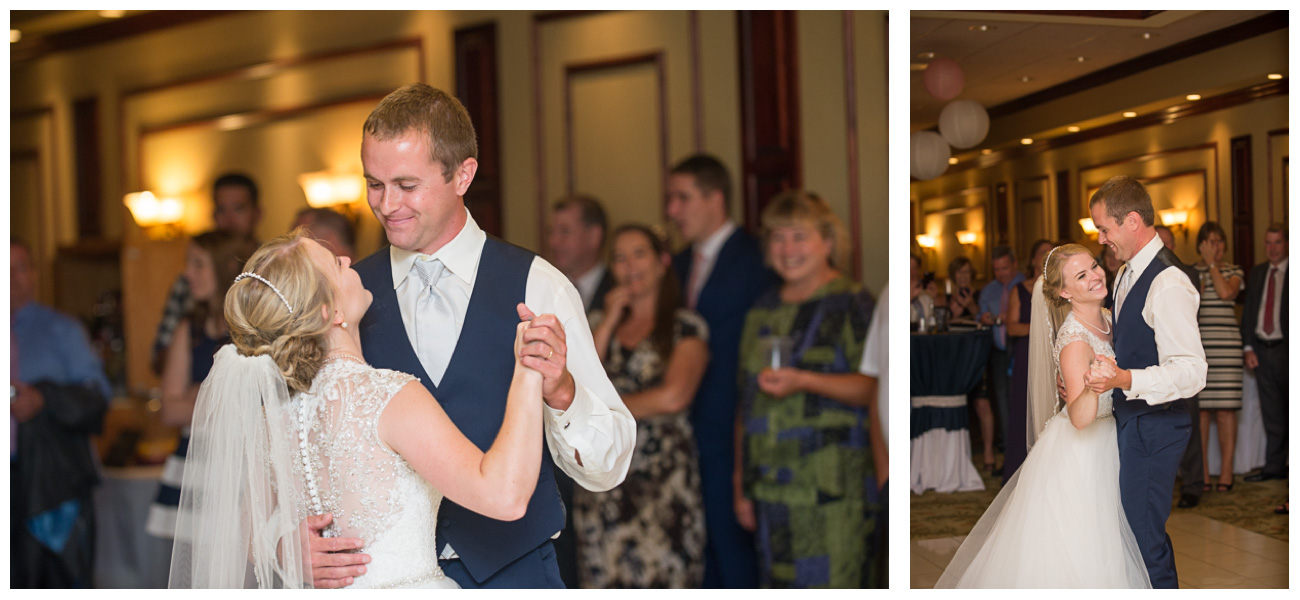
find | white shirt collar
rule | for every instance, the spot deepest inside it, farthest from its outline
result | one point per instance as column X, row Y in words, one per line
column 1138, row 264
column 712, row 245
column 460, row 255
column 1281, row 267
column 591, row 278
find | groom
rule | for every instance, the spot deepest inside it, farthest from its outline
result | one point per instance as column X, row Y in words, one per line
column 1159, row 360
column 444, row 310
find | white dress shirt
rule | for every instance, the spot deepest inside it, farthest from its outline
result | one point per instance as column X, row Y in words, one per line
column 597, row 425
column 1182, row 368
column 875, row 358
column 587, row 284
column 1277, row 305
column 708, row 251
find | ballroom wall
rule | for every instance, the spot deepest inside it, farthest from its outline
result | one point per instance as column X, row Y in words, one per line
column 1187, row 163
column 280, row 93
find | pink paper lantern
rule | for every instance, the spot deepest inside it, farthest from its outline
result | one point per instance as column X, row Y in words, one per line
column 944, row 79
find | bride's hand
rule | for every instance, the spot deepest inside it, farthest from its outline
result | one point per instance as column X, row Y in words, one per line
column 519, row 345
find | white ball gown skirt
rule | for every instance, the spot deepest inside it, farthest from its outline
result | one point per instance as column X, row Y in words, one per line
column 1058, row 522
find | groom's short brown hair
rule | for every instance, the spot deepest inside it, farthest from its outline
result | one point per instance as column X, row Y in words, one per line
column 421, row 108
column 1123, row 195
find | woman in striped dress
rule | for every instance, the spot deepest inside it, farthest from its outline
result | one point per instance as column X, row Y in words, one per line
column 1221, row 335
column 211, row 264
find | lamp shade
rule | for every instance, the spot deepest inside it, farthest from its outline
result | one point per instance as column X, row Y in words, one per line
column 930, row 155
column 1088, row 226
column 944, row 79
column 964, row 123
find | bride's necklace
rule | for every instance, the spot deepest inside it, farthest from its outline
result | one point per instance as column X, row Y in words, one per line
column 340, row 355
column 1094, row 327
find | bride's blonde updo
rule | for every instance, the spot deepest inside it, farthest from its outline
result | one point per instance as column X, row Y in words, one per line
column 259, row 321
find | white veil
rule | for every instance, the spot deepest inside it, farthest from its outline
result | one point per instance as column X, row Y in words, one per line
column 238, row 524
column 1041, row 392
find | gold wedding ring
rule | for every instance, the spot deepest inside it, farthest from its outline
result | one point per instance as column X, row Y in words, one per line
column 548, row 356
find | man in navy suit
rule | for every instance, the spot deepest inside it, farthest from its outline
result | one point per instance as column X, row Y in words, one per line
column 722, row 273
column 445, row 294
column 1159, row 361
column 1263, row 333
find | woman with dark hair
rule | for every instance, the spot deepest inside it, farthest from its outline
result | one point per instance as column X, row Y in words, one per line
column 964, row 301
column 1221, row 335
column 1018, row 332
column 212, row 261
column 649, row 531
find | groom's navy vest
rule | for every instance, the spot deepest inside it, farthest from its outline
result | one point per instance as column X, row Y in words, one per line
column 1135, row 341
column 473, row 393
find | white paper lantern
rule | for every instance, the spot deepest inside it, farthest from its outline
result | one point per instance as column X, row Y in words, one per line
column 964, row 123
column 930, row 155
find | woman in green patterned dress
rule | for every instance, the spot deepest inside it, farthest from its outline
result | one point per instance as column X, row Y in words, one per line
column 806, row 481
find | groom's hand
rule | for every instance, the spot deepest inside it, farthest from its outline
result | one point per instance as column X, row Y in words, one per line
column 1099, row 380
column 546, row 352
column 332, row 566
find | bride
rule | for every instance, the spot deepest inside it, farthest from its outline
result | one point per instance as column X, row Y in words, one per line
column 1058, row 522
column 292, row 422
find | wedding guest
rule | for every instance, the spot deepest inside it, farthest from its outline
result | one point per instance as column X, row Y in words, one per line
column 648, row 532
column 806, row 482
column 720, row 274
column 963, row 299
column 1018, row 331
column 330, row 228
column 58, row 396
column 575, row 240
column 963, row 302
column 1166, row 237
column 923, row 292
column 994, row 301
column 212, row 261
column 1264, row 335
column 235, row 211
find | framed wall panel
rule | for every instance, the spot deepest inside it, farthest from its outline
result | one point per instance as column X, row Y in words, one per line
column 943, row 216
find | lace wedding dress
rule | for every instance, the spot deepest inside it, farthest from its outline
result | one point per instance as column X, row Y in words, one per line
column 1058, row 523
column 348, row 471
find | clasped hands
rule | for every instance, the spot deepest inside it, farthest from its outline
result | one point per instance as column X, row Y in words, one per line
column 1103, row 374
column 543, row 349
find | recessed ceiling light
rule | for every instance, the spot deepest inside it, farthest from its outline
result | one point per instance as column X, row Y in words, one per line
column 1080, row 58
column 1026, row 79
column 1129, row 114
column 1193, row 97
column 1146, row 35
column 952, row 160
column 986, row 151
column 112, row 14
column 983, row 27
column 1274, row 75
column 1027, row 141
column 925, row 55
column 14, row 36
column 1072, row 129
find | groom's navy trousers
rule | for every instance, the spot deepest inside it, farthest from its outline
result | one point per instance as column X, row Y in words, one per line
column 1152, row 438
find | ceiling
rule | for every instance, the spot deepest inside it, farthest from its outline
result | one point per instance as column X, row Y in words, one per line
column 1008, row 55
column 36, row 23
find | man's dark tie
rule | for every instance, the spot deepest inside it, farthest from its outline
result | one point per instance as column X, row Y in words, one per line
column 1268, row 302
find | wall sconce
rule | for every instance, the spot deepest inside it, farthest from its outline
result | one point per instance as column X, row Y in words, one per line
column 1175, row 219
column 926, row 241
column 159, row 218
column 325, row 189
column 966, row 237
column 1088, row 226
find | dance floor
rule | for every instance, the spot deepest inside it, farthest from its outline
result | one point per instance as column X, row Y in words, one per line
column 1209, row 554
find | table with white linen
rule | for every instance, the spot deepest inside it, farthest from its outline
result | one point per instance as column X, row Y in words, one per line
column 944, row 368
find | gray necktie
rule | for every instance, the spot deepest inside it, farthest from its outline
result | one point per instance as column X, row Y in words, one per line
column 435, row 324
column 1121, row 290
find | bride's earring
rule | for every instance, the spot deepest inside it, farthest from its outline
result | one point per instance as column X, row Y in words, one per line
column 344, row 324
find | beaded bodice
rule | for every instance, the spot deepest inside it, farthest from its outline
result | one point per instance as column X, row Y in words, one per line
column 348, row 471
column 1073, row 331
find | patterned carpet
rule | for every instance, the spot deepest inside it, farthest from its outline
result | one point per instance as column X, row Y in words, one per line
column 1248, row 506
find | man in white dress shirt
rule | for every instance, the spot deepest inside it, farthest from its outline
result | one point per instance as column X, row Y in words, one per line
column 575, row 243
column 418, row 152
column 1159, row 361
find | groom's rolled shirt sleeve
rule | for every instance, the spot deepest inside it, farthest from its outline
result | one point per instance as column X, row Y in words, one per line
column 1170, row 310
column 597, row 425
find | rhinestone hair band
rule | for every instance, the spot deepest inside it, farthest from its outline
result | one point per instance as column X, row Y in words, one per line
column 1045, row 261
column 247, row 275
